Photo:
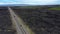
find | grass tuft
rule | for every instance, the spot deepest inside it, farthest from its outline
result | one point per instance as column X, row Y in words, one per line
column 54, row 8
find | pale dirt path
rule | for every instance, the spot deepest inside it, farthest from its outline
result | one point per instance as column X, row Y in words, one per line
column 20, row 26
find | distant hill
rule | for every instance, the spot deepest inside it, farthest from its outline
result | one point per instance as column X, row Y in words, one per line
column 4, row 6
column 27, row 5
column 15, row 5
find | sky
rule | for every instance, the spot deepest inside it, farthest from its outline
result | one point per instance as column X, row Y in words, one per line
column 31, row 2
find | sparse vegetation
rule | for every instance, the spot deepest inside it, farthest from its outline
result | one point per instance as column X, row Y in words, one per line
column 54, row 8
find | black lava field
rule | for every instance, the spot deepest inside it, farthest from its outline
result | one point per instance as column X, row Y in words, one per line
column 41, row 21
column 5, row 22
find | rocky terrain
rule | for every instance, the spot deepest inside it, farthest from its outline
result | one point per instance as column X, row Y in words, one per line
column 41, row 21
column 5, row 22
